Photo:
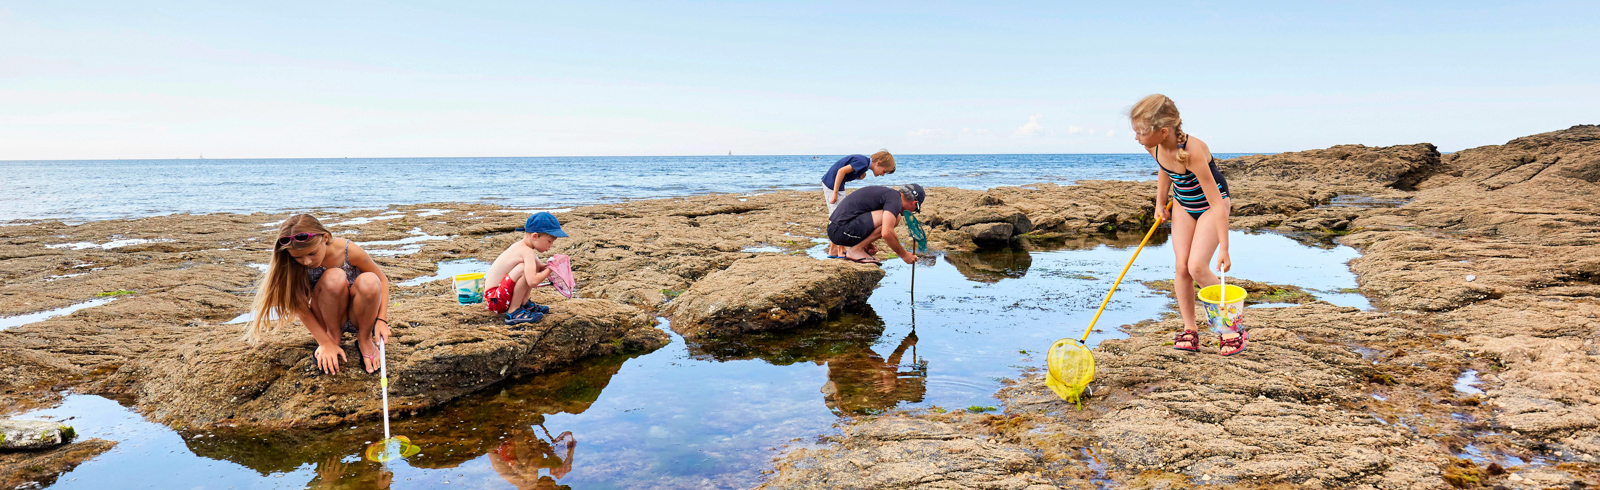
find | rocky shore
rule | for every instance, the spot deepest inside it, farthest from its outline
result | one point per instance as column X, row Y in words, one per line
column 1483, row 260
column 1483, row 263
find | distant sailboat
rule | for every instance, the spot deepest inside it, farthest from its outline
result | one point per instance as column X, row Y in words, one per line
column 730, row 153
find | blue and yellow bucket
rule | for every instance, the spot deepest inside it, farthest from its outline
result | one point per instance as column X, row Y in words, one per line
column 469, row 288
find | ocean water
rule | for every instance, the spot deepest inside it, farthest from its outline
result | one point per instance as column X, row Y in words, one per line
column 89, row 190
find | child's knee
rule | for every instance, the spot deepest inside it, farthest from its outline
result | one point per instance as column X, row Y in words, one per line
column 367, row 285
column 333, row 282
column 1197, row 269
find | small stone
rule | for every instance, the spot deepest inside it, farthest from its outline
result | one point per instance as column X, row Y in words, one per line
column 1471, row 277
column 1206, row 478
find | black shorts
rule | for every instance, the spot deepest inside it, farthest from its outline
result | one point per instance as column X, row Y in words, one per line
column 852, row 232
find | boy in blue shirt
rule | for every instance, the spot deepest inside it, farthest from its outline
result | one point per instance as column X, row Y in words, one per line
column 853, row 167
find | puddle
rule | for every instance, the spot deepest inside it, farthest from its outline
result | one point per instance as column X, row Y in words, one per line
column 107, row 245
column 407, row 246
column 1100, row 480
column 763, row 248
column 431, row 212
column 1353, row 201
column 710, row 414
column 362, row 221
column 1466, row 383
column 447, row 269
column 259, row 266
column 20, row 320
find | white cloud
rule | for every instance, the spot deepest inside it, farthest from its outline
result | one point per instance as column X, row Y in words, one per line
column 929, row 133
column 1074, row 130
column 1032, row 127
column 1110, row 133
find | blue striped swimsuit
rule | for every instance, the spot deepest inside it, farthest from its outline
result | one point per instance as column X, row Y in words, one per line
column 1186, row 187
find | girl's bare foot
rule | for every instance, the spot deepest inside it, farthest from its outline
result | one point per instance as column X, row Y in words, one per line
column 1232, row 343
column 1187, row 340
column 369, row 354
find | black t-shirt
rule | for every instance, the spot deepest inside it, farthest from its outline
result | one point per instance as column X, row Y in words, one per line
column 865, row 200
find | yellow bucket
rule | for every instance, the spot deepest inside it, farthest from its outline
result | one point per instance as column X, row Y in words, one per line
column 469, row 288
column 1226, row 315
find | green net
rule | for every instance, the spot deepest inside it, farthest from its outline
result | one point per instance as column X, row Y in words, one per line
column 918, row 235
column 1071, row 369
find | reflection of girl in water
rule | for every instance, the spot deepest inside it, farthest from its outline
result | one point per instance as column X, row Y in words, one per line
column 520, row 458
column 334, row 473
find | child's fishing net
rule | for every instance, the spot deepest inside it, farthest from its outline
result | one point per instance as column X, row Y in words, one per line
column 1071, row 370
column 561, row 274
column 918, row 235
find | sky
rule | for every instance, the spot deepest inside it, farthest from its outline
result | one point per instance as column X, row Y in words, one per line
column 135, row 79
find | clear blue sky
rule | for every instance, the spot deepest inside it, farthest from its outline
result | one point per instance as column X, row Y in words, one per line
column 127, row 79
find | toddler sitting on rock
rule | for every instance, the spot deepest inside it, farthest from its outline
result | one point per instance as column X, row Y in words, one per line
column 518, row 269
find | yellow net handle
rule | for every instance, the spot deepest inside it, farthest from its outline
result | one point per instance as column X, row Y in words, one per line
column 1125, row 268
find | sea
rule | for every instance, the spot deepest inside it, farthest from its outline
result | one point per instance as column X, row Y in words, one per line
column 89, row 190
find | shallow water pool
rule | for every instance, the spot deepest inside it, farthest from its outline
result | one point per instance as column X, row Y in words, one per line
column 713, row 415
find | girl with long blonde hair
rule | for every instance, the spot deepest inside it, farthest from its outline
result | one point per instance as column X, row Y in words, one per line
column 330, row 284
column 1190, row 175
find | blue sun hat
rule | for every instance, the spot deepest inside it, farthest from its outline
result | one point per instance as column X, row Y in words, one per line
column 543, row 222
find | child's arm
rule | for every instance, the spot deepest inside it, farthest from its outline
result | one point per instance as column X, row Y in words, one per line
column 838, row 184
column 533, row 270
column 328, row 354
column 364, row 262
column 1200, row 157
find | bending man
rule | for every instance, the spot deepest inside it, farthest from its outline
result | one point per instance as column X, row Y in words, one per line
column 871, row 214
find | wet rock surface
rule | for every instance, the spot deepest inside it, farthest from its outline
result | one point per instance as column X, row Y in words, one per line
column 440, row 352
column 38, row 469
column 771, row 292
column 1483, row 263
column 1481, row 260
column 32, row 434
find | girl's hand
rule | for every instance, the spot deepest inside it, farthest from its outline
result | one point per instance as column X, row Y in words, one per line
column 1163, row 212
column 833, row 197
column 329, row 359
column 381, row 331
column 1224, row 263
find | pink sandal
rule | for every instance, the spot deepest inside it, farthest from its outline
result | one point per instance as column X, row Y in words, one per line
column 1189, row 337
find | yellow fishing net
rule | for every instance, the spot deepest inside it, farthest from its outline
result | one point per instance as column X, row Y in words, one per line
column 1071, row 370
column 1071, row 365
column 396, row 447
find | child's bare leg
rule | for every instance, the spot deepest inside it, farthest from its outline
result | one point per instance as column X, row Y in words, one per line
column 1183, row 282
column 1202, row 250
column 519, row 293
column 365, row 293
column 330, row 299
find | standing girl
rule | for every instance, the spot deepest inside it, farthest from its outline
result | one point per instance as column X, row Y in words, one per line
column 1189, row 174
column 330, row 285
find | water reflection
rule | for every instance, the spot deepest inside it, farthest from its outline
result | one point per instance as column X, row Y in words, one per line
column 521, row 457
column 507, row 425
column 991, row 266
column 859, row 381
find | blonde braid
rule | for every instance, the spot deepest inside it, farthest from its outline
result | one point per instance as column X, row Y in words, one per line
column 1183, row 141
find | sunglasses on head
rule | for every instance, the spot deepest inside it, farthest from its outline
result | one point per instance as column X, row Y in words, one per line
column 299, row 237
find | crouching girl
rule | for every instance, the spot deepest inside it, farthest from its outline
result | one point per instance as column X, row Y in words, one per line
column 329, row 284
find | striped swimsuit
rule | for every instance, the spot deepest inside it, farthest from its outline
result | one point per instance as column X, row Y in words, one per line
column 1186, row 187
